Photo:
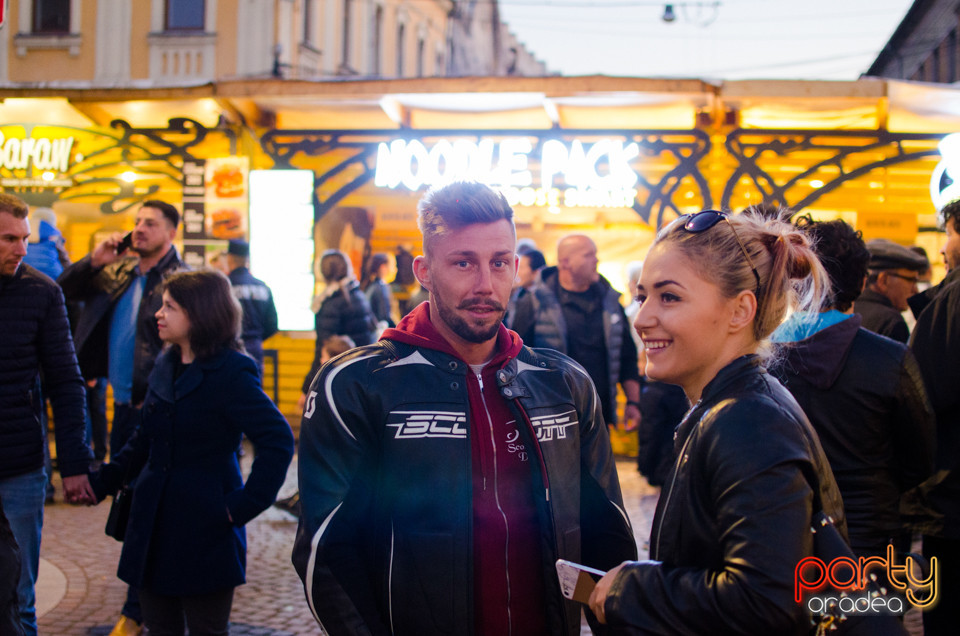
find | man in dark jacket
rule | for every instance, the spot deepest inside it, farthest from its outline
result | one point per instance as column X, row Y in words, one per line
column 863, row 394
column 444, row 469
column 116, row 334
column 894, row 271
column 36, row 337
column 936, row 502
column 576, row 311
column 256, row 301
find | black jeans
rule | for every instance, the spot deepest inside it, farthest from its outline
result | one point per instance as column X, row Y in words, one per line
column 206, row 614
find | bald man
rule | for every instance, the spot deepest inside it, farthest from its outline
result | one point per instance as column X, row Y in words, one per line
column 576, row 311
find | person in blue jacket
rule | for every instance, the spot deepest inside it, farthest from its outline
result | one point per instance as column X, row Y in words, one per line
column 185, row 545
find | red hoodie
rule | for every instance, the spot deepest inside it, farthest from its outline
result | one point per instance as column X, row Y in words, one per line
column 507, row 563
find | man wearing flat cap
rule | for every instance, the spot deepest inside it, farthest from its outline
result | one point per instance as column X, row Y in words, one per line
column 256, row 300
column 894, row 270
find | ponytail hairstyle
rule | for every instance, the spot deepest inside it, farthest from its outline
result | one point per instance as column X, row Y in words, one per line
column 791, row 276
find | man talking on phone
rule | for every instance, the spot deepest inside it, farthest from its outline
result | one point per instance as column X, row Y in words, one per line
column 116, row 336
column 445, row 469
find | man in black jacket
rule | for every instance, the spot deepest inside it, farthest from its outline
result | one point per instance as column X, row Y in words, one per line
column 445, row 469
column 894, row 271
column 936, row 502
column 576, row 311
column 863, row 394
column 116, row 334
column 36, row 337
column 256, row 300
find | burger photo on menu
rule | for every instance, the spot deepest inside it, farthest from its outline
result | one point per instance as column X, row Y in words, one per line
column 225, row 223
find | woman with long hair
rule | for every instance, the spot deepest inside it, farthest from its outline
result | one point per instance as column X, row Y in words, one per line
column 733, row 519
column 341, row 309
column 185, row 545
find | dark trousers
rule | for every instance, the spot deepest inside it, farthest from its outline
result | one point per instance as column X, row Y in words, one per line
column 9, row 576
column 97, row 413
column 126, row 418
column 944, row 618
column 205, row 615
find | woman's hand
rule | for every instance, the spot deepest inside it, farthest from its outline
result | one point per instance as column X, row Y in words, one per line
column 599, row 595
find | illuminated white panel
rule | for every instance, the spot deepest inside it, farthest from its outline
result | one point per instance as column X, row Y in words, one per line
column 281, row 241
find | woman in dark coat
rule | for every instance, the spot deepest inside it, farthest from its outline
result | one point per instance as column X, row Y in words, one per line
column 734, row 517
column 342, row 310
column 185, row 545
column 378, row 291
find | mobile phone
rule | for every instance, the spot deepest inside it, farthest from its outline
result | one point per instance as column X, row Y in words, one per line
column 124, row 243
column 577, row 581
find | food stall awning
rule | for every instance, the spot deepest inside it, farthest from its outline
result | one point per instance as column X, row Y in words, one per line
column 505, row 103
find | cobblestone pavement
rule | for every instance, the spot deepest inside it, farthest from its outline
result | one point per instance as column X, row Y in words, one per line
column 80, row 595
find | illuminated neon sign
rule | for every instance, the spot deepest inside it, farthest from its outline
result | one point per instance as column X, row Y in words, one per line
column 40, row 153
column 593, row 175
column 945, row 180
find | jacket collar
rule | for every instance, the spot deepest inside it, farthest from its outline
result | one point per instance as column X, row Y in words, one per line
column 170, row 259
column 416, row 329
column 736, row 371
column 871, row 296
column 170, row 389
column 919, row 302
column 820, row 358
column 550, row 276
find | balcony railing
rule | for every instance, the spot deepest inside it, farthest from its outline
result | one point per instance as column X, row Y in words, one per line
column 177, row 58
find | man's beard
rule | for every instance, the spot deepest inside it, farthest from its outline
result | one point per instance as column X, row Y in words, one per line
column 147, row 251
column 476, row 334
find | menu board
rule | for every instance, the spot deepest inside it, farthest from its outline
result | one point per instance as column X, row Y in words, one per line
column 214, row 206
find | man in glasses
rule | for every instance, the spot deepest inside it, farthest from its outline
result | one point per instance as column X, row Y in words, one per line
column 894, row 270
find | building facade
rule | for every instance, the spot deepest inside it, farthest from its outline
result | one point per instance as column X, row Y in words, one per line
column 925, row 46
column 122, row 43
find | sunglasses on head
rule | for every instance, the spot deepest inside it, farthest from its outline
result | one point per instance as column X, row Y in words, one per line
column 703, row 221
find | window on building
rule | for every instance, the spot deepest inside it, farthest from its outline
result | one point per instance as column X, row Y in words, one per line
column 400, row 47
column 345, row 51
column 376, row 41
column 948, row 54
column 421, row 49
column 308, row 21
column 51, row 16
column 185, row 15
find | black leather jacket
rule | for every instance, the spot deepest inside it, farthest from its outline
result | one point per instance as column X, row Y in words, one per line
column 384, row 543
column 99, row 290
column 865, row 397
column 935, row 504
column 734, row 518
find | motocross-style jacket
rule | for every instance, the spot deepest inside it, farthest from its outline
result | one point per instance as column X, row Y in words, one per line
column 384, row 544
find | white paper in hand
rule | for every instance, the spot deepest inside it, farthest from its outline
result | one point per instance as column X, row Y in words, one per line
column 576, row 582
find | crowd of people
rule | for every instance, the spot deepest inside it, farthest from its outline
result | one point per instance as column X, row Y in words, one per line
column 449, row 457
